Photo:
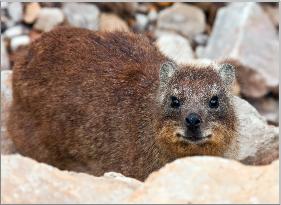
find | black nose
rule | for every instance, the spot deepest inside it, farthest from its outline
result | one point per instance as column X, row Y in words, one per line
column 193, row 120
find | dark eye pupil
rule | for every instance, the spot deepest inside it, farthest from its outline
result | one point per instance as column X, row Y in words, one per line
column 175, row 102
column 214, row 102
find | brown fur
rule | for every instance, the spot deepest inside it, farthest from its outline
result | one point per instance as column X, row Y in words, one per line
column 87, row 101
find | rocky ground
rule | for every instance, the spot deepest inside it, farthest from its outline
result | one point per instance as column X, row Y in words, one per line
column 244, row 32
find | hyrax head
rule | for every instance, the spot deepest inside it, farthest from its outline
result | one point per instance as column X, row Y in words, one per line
column 196, row 115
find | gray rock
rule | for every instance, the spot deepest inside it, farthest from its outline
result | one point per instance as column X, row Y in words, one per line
column 201, row 39
column 82, row 15
column 6, row 22
column 4, row 5
column 258, row 141
column 18, row 41
column 268, row 108
column 7, row 146
column 48, row 18
column 199, row 50
column 250, row 39
column 183, row 18
column 175, row 47
column 141, row 22
column 15, row 11
column 5, row 62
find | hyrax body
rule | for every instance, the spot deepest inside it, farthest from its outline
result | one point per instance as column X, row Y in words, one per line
column 98, row 102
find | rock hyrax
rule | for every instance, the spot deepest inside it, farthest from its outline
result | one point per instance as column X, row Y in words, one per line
column 100, row 101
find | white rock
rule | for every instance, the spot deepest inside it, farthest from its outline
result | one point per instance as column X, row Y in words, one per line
column 5, row 62
column 183, row 18
column 244, row 32
column 48, row 18
column 82, row 15
column 258, row 140
column 7, row 146
column 175, row 47
column 15, row 11
column 4, row 4
column 141, row 21
column 199, row 51
column 18, row 41
column 15, row 31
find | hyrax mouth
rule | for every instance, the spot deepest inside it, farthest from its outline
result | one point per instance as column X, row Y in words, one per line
column 193, row 138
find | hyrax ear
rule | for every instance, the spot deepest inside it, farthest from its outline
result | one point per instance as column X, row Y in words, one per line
column 227, row 74
column 167, row 69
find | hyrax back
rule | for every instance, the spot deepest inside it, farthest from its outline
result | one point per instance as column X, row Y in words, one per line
column 98, row 102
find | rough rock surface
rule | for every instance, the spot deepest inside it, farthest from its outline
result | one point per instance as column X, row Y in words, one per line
column 187, row 180
column 185, row 19
column 5, row 62
column 48, row 18
column 24, row 180
column 175, row 47
column 200, row 180
column 82, row 15
column 252, row 40
column 259, row 142
column 268, row 107
column 111, row 22
column 7, row 146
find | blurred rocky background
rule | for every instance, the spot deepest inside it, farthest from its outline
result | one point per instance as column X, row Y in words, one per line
column 244, row 33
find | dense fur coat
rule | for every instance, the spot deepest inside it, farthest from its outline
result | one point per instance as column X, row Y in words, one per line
column 93, row 102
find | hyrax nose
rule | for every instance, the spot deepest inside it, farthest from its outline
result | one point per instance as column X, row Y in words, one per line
column 193, row 120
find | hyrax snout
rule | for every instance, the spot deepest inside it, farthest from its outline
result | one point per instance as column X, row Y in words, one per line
column 99, row 101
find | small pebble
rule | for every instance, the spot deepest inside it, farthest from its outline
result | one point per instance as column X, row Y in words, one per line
column 18, row 41
column 14, row 31
column 141, row 22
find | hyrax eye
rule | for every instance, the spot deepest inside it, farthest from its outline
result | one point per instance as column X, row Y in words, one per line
column 214, row 102
column 175, row 102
